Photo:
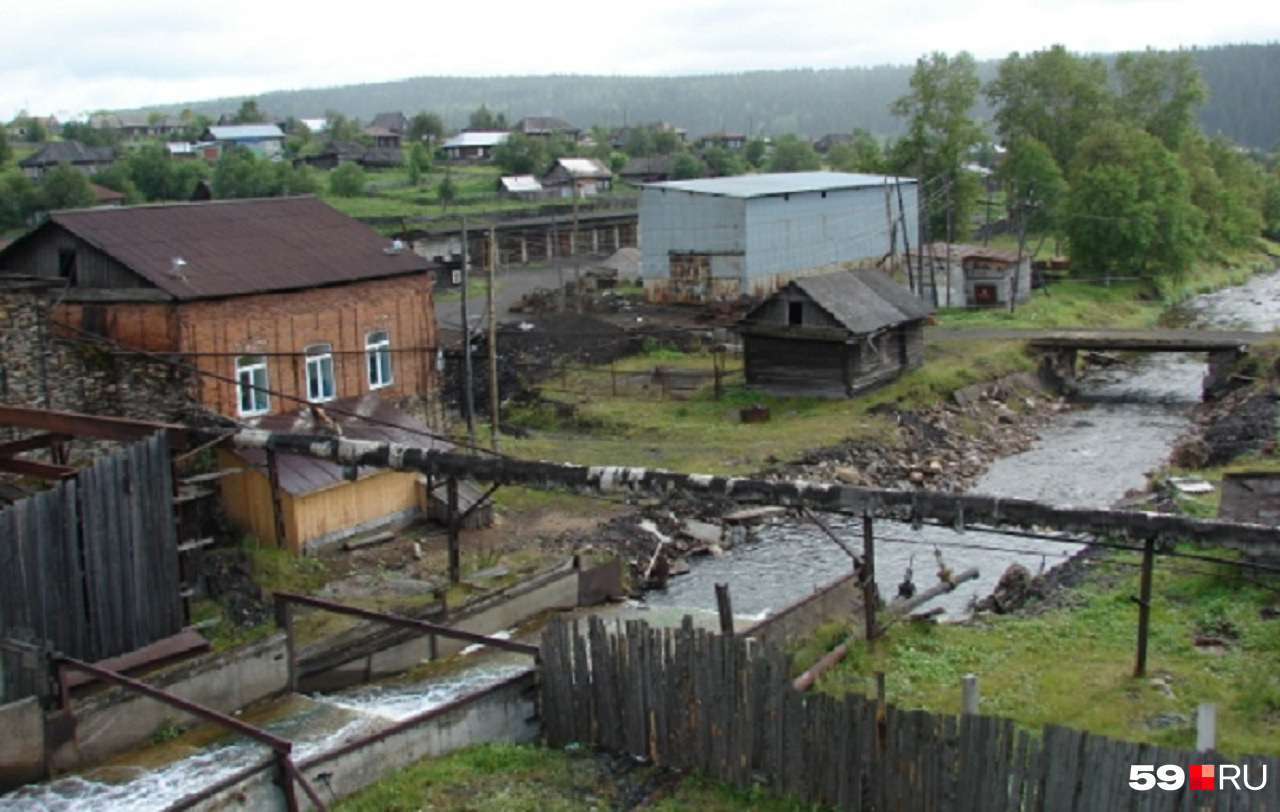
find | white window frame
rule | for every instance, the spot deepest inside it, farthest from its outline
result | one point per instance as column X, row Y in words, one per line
column 377, row 356
column 251, row 385
column 320, row 381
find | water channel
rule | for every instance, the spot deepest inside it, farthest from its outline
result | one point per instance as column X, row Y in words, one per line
column 1127, row 421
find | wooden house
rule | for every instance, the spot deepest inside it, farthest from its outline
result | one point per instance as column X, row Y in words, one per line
column 473, row 146
column 87, row 159
column 833, row 335
column 546, row 127
column 584, row 177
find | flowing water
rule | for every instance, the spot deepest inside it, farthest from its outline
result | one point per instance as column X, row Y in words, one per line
column 157, row 777
column 1128, row 420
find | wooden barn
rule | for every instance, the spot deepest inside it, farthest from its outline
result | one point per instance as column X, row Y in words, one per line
column 305, row 504
column 833, row 335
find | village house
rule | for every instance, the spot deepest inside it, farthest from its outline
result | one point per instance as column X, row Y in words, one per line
column 87, row 159
column 275, row 301
column 546, row 127
column 580, row 177
column 724, row 139
column 833, row 335
column 473, row 146
column 721, row 238
column 651, row 169
column 263, row 140
column 265, row 307
column 972, row 275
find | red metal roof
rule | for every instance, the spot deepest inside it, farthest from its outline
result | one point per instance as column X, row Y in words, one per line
column 238, row 247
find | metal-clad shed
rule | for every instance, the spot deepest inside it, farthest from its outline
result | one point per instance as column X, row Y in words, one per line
column 720, row 238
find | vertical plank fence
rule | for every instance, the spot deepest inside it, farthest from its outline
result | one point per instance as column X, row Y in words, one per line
column 89, row 568
column 693, row 700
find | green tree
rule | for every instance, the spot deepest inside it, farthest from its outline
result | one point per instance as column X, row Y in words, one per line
column 6, row 151
column 869, row 152
column 89, row 135
column 193, row 125
column 288, row 179
column 426, row 128
column 118, row 178
column 722, row 162
column 19, row 199
column 446, row 191
column 1034, row 184
column 347, row 181
column 249, row 113
column 241, row 174
column 65, row 187
column 842, row 158
column 754, row 152
column 1052, row 96
column 419, row 161
column 686, row 166
column 1129, row 211
column 150, row 167
column 639, row 142
column 940, row 134
column 340, row 128
column 521, row 155
column 484, row 119
column 791, row 153
column 1161, row 93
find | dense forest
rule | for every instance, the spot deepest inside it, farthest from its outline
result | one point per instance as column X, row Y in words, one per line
column 1243, row 103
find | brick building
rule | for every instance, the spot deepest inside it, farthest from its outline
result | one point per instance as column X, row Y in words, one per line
column 274, row 301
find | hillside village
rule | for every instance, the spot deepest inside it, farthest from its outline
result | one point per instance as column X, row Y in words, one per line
column 168, row 281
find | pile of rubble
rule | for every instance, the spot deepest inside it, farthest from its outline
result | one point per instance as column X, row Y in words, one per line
column 944, row 447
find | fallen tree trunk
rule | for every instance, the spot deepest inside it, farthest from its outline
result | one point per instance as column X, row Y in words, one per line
column 893, row 613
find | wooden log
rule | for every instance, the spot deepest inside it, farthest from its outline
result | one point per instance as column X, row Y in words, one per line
column 896, row 611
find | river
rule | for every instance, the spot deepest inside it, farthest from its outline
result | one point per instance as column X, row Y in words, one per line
column 1128, row 418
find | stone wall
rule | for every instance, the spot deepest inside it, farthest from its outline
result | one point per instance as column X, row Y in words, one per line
column 47, row 367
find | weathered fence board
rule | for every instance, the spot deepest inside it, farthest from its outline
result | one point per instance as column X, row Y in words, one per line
column 90, row 566
column 693, row 700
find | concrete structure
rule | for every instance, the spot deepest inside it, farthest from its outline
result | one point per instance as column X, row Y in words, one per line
column 717, row 239
column 971, row 275
column 841, row 598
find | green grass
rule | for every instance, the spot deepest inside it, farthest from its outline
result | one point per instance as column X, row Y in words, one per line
column 1073, row 666
column 516, row 778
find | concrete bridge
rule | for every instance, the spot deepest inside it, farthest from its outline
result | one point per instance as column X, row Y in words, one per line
column 1059, row 347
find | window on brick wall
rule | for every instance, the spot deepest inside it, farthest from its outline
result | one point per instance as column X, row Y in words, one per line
column 377, row 355
column 251, row 385
column 320, row 386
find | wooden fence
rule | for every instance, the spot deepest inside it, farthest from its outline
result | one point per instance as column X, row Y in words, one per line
column 89, row 568
column 692, row 700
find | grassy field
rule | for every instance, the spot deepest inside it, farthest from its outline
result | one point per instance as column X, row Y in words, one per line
column 517, row 778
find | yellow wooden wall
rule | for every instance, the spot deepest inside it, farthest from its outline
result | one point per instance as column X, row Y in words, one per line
column 246, row 499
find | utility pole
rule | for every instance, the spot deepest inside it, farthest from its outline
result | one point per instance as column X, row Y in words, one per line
column 493, row 341
column 468, row 397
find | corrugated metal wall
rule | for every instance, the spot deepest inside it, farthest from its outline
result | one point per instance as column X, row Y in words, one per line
column 762, row 242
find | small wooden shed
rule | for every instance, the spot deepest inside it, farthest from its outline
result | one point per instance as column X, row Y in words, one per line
column 305, row 504
column 833, row 335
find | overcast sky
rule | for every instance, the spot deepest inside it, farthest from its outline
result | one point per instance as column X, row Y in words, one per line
column 69, row 57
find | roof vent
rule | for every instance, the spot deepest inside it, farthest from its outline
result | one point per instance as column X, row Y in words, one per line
column 176, row 264
column 396, row 247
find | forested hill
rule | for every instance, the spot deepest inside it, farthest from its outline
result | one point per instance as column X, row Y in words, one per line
column 1243, row 80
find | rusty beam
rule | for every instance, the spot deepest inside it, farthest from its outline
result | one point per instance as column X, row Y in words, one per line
column 278, row 745
column 408, row 623
column 44, row 470
column 85, row 425
column 32, row 443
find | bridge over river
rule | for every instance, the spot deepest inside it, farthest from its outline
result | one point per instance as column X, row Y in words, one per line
column 1059, row 348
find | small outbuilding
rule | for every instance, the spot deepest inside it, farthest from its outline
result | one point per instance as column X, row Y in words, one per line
column 833, row 335
column 972, row 275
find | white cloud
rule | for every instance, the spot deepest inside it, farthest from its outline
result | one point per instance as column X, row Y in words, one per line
column 72, row 55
